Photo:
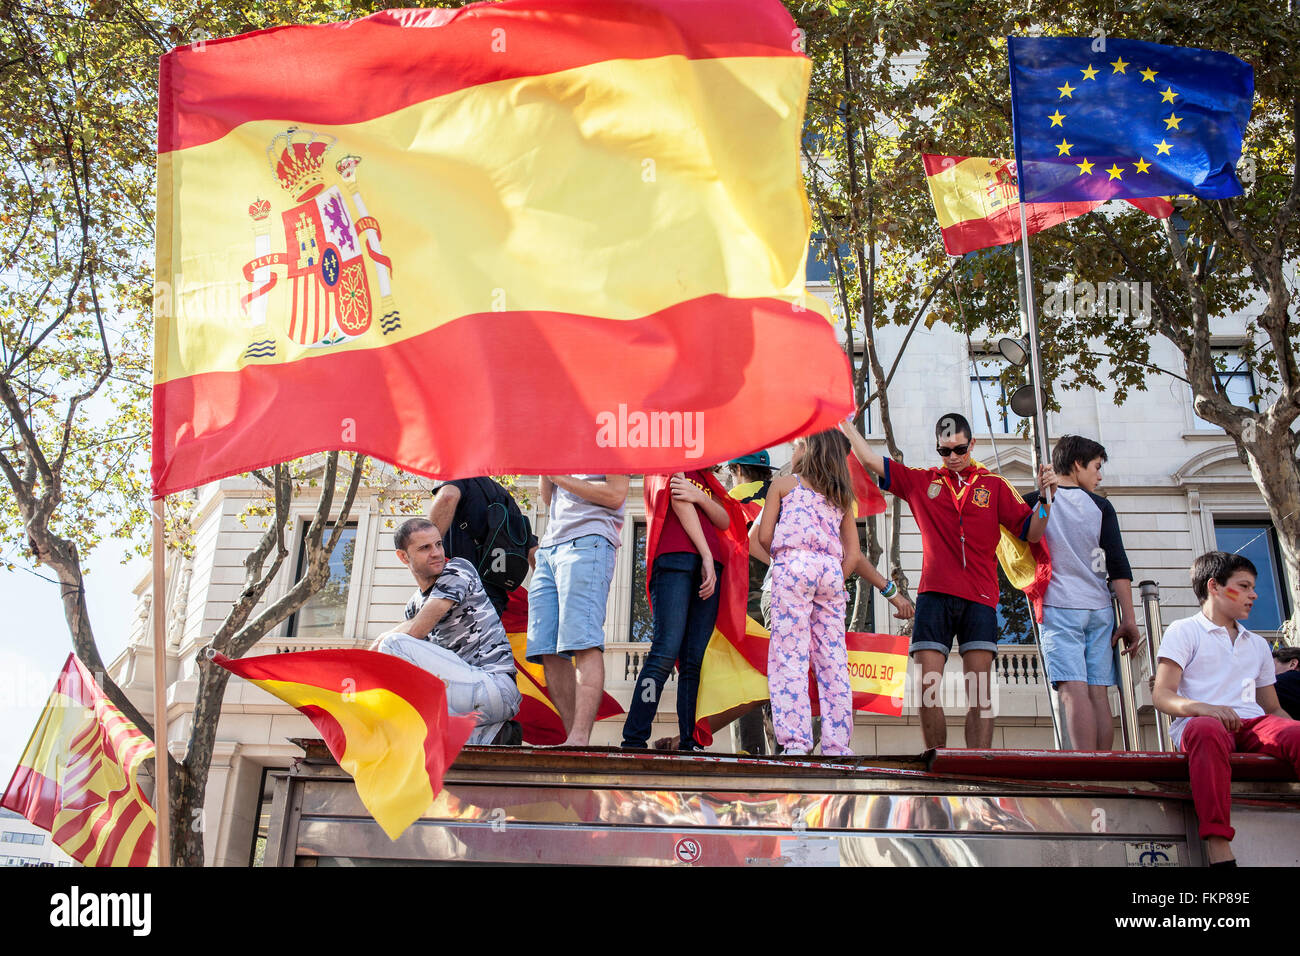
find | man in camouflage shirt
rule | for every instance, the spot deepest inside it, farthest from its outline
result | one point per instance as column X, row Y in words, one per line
column 453, row 632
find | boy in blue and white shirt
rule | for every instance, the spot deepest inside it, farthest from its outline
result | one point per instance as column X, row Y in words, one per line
column 1079, row 627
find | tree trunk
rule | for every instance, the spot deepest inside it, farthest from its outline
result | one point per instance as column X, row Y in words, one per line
column 61, row 555
column 1271, row 459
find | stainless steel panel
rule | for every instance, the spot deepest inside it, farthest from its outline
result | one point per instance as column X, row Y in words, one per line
column 561, row 806
column 329, row 843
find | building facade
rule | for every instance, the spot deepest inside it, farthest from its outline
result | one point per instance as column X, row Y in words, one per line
column 1176, row 483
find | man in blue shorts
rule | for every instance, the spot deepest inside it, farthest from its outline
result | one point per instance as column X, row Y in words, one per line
column 569, row 591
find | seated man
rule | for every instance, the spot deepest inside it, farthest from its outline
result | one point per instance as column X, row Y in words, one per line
column 453, row 632
column 1286, row 662
column 1216, row 678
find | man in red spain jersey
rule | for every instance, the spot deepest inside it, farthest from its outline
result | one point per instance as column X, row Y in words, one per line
column 960, row 509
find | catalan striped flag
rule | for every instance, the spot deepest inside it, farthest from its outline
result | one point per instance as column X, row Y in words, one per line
column 976, row 201
column 78, row 777
column 538, row 717
column 384, row 720
column 530, row 236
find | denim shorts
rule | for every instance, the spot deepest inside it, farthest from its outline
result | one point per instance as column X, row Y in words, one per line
column 567, row 597
column 941, row 616
column 1076, row 645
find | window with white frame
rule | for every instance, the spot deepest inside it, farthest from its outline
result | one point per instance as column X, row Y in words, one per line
column 1237, row 380
column 324, row 613
column 987, row 391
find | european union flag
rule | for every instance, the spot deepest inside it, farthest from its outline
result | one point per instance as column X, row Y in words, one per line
column 1137, row 119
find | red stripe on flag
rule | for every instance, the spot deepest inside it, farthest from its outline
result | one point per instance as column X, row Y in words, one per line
column 121, row 825
column 144, row 846
column 206, row 91
column 330, row 729
column 714, row 355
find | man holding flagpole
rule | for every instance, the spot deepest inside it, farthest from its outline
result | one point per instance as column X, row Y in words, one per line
column 960, row 509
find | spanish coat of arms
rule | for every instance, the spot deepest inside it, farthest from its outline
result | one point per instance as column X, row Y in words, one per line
column 326, row 241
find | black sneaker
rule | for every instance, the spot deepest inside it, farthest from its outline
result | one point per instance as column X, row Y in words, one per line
column 511, row 734
column 628, row 745
column 691, row 747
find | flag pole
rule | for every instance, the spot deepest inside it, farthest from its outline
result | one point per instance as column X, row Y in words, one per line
column 162, row 794
column 1035, row 365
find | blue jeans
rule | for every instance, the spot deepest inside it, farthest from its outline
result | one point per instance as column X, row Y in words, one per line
column 683, row 625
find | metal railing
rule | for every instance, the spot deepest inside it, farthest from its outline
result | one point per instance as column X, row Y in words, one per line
column 1128, row 707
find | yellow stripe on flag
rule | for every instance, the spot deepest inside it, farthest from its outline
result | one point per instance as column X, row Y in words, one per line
column 726, row 678
column 967, row 190
column 476, row 223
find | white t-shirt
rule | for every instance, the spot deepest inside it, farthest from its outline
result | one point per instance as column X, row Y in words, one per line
column 1216, row 669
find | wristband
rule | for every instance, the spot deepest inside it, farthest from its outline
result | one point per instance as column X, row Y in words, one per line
column 889, row 590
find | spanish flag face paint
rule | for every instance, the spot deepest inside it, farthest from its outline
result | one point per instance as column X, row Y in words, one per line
column 459, row 240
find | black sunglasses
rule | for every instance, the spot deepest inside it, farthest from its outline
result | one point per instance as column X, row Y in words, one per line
column 954, row 450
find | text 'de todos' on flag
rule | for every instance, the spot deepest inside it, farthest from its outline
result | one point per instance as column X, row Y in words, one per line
column 1135, row 119
column 78, row 777
column 519, row 237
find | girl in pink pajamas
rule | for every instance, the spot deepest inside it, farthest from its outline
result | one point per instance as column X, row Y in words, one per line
column 808, row 527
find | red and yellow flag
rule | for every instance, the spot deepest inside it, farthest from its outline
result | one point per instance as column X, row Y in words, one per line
column 512, row 237
column 869, row 499
column 78, row 777
column 538, row 717
column 384, row 720
column 877, row 674
column 976, row 201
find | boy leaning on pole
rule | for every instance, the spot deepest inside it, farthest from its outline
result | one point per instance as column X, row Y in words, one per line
column 1079, row 626
column 1215, row 678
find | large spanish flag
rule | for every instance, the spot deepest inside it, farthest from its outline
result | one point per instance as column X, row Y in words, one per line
column 78, row 777
column 976, row 202
column 519, row 237
column 384, row 720
column 538, row 717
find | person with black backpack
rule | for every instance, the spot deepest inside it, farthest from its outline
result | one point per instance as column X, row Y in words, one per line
column 569, row 591
column 480, row 522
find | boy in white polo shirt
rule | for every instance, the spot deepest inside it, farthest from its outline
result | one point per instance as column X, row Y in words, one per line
column 1216, row 679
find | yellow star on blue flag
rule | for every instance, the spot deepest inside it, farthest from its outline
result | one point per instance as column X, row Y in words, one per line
column 1194, row 121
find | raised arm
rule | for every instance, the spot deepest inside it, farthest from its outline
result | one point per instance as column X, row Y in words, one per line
column 443, row 510
column 870, row 460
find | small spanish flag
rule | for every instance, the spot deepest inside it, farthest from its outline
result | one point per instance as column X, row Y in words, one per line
column 587, row 216
column 538, row 718
column 78, row 777
column 384, row 720
column 976, row 200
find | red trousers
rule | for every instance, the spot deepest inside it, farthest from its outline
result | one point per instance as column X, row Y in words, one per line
column 1208, row 743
